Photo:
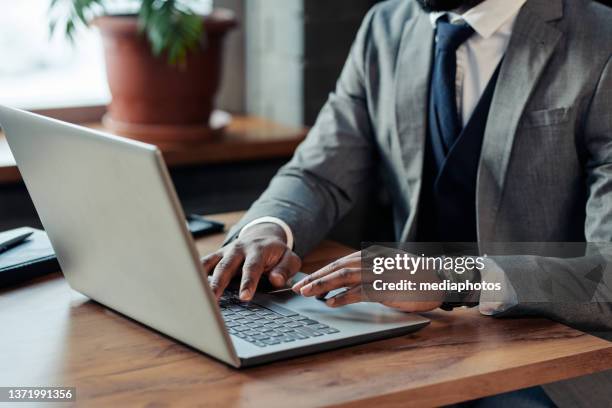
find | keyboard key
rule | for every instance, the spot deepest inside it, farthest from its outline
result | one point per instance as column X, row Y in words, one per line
column 266, row 313
column 291, row 334
column 261, row 337
column 287, row 329
column 330, row 330
column 309, row 332
column 280, row 310
column 309, row 321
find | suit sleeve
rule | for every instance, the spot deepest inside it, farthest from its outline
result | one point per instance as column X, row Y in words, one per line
column 321, row 182
column 598, row 226
column 577, row 291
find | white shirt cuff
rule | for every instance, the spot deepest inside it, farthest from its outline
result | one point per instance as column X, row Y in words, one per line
column 494, row 302
column 273, row 220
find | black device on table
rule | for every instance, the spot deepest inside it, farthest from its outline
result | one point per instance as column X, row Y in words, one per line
column 26, row 253
column 200, row 226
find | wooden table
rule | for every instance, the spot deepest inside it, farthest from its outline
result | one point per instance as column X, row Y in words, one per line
column 246, row 138
column 53, row 336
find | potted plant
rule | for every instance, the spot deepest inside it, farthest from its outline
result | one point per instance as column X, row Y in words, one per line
column 163, row 63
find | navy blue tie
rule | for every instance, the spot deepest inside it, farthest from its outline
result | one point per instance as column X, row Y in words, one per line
column 443, row 94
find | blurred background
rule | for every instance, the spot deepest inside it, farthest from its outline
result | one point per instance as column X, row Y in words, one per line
column 39, row 71
column 279, row 64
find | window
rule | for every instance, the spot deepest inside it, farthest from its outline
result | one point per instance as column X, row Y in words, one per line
column 39, row 72
column 42, row 72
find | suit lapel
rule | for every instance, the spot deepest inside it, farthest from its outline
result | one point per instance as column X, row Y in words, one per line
column 412, row 92
column 531, row 47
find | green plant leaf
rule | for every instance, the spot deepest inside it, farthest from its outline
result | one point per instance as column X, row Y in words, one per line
column 170, row 27
column 77, row 14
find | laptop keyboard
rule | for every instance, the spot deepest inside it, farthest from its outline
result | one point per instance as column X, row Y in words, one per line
column 268, row 325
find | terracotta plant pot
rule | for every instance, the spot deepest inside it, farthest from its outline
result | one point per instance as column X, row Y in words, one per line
column 153, row 100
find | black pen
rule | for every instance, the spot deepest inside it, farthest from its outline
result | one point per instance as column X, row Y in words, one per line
column 14, row 238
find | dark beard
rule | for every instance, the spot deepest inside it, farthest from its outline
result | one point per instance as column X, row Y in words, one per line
column 446, row 5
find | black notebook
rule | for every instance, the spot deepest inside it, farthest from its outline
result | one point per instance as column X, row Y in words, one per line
column 33, row 258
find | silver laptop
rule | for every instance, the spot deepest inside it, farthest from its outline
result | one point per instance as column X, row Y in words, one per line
column 118, row 230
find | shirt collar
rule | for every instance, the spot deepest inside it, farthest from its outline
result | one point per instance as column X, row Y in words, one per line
column 486, row 18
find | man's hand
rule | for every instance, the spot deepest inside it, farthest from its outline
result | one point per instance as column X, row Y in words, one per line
column 260, row 250
column 347, row 273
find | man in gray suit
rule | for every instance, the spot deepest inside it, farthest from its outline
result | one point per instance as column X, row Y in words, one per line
column 488, row 121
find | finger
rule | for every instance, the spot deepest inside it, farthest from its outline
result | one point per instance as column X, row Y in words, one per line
column 345, row 277
column 288, row 266
column 210, row 261
column 251, row 273
column 225, row 270
column 349, row 297
column 352, row 260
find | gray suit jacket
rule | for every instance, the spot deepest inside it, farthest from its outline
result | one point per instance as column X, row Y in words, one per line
column 545, row 172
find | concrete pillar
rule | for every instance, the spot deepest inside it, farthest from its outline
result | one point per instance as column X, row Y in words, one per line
column 295, row 52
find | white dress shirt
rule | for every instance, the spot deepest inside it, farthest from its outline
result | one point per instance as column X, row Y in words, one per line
column 477, row 60
column 479, row 56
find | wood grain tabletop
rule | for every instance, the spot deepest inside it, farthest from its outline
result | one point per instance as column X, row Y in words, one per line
column 247, row 138
column 51, row 335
